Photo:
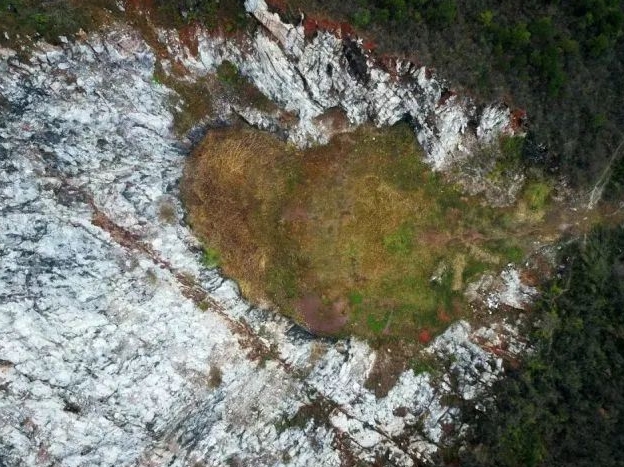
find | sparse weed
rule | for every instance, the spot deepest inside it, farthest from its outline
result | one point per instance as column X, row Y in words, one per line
column 536, row 194
column 215, row 376
column 167, row 212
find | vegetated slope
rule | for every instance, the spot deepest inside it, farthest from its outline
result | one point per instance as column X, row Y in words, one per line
column 47, row 20
column 358, row 236
column 53, row 18
column 562, row 61
column 565, row 405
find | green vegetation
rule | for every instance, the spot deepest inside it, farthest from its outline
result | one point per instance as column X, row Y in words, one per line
column 507, row 154
column 198, row 96
column 355, row 237
column 53, row 18
column 564, row 406
column 196, row 99
column 401, row 241
column 228, row 74
column 424, row 365
column 227, row 15
column 614, row 190
column 49, row 20
column 210, row 257
column 236, row 86
column 316, row 412
column 537, row 193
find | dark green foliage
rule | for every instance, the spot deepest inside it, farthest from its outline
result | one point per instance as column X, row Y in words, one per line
column 181, row 11
column 47, row 19
column 210, row 257
column 565, row 405
column 229, row 15
column 237, row 86
column 376, row 325
column 361, row 17
column 228, row 74
column 442, row 12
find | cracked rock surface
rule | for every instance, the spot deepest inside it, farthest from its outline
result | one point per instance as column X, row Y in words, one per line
column 116, row 346
column 310, row 75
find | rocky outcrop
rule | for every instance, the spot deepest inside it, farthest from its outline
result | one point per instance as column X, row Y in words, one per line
column 117, row 347
column 311, row 75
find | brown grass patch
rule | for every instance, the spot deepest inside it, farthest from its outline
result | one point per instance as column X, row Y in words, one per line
column 345, row 238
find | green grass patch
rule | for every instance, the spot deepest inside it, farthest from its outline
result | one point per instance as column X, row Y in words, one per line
column 423, row 365
column 376, row 325
column 235, row 83
column 355, row 298
column 475, row 268
column 400, row 242
column 282, row 283
column 508, row 248
column 508, row 154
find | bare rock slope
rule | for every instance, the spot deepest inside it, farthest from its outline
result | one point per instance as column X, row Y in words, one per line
column 331, row 70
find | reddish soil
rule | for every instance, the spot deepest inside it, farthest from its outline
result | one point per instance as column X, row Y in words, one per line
column 424, row 336
column 188, row 36
column 518, row 119
column 320, row 319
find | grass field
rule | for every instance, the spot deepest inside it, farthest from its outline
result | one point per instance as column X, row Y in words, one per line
column 358, row 236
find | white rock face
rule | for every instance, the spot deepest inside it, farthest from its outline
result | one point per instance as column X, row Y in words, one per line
column 116, row 346
column 312, row 76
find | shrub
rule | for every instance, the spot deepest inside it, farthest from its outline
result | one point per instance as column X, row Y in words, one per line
column 228, row 74
column 210, row 257
column 573, row 378
column 361, row 18
column 536, row 194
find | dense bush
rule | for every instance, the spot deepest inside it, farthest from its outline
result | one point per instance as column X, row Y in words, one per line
column 53, row 18
column 228, row 15
column 565, row 405
column 46, row 19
